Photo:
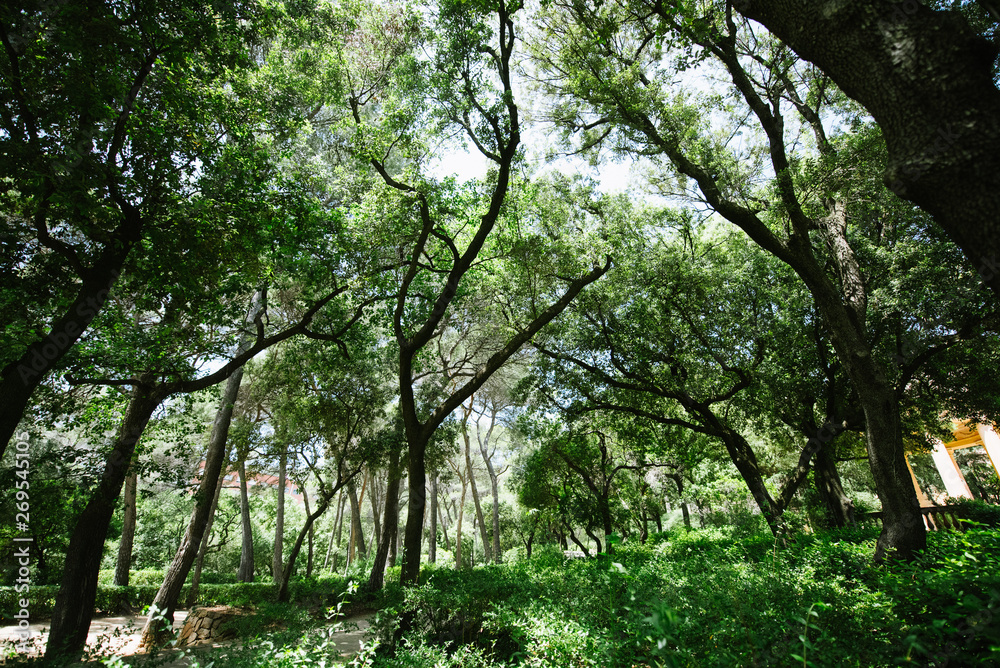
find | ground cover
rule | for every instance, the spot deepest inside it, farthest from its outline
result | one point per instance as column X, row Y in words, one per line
column 685, row 598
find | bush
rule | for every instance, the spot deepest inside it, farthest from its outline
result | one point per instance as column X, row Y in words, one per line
column 977, row 511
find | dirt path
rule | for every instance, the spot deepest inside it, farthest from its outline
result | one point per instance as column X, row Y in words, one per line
column 119, row 636
column 108, row 636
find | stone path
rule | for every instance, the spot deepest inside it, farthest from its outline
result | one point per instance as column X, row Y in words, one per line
column 119, row 636
column 108, row 635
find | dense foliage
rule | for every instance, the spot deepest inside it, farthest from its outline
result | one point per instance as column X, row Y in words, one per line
column 302, row 293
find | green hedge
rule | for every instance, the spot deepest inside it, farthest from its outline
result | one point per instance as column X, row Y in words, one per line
column 324, row 591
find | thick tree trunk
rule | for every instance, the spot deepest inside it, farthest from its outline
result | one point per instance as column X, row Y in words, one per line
column 245, row 573
column 279, row 518
column 74, row 606
column 926, row 78
column 414, row 531
column 903, row 531
column 166, row 598
column 839, row 508
column 19, row 379
column 391, row 521
column 432, row 546
column 604, row 506
column 124, row 563
column 192, row 596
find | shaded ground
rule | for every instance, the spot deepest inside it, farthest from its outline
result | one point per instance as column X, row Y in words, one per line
column 119, row 636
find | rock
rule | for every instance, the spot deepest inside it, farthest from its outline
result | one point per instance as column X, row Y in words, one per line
column 203, row 624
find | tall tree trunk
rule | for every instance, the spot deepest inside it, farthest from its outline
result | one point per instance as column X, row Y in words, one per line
column 373, row 498
column 245, row 573
column 444, row 526
column 458, row 527
column 484, row 447
column 495, row 489
column 357, row 531
column 192, row 596
column 340, row 518
column 166, row 598
column 124, row 563
column 286, row 576
column 396, row 535
column 309, row 555
column 432, row 546
column 279, row 517
column 839, row 507
column 376, row 579
column 484, row 536
column 74, row 605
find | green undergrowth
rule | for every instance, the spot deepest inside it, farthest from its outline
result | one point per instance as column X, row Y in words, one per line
column 702, row 599
column 699, row 598
column 323, row 591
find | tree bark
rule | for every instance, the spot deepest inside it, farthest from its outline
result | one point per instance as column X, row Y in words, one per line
column 166, row 598
column 495, row 489
column 926, row 78
column 74, row 605
column 124, row 563
column 394, row 546
column 373, row 498
column 246, row 570
column 20, row 378
column 458, row 527
column 309, row 539
column 340, row 518
column 286, row 572
column 484, row 536
column 432, row 546
column 389, row 524
column 279, row 517
column 192, row 596
column 444, row 527
column 839, row 507
column 357, row 531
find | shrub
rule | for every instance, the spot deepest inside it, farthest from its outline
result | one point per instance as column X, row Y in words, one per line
column 975, row 510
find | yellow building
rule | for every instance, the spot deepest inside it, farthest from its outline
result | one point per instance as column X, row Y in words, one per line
column 966, row 466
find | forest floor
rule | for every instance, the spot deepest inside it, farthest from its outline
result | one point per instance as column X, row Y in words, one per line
column 120, row 635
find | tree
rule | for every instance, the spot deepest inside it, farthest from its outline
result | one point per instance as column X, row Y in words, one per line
column 806, row 231
column 127, row 154
column 928, row 78
column 451, row 237
column 206, row 497
column 75, row 601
